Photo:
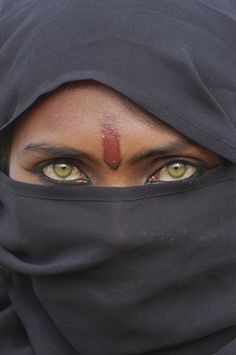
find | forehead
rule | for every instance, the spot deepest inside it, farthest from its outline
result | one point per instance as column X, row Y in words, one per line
column 83, row 109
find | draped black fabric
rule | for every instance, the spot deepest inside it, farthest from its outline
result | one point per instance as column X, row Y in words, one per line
column 121, row 271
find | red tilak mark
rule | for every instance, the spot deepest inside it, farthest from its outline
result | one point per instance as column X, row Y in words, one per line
column 111, row 145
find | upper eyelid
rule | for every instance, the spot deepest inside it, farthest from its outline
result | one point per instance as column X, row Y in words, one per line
column 172, row 158
column 188, row 161
column 47, row 162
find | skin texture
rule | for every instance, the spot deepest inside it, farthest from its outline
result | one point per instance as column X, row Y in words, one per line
column 107, row 140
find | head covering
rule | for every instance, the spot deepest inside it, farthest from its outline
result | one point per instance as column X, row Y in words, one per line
column 154, row 273
column 176, row 59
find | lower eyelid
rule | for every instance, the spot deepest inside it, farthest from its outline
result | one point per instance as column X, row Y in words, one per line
column 45, row 178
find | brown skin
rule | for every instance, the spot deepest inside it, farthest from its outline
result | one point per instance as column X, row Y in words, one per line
column 75, row 119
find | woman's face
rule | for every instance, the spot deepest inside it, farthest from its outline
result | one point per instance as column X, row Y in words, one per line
column 89, row 134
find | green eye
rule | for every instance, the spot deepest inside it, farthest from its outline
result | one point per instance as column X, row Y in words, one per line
column 177, row 170
column 65, row 172
column 62, row 170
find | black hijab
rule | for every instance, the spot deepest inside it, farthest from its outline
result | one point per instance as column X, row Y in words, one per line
column 112, row 271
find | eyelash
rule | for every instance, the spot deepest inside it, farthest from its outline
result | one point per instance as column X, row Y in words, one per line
column 200, row 166
column 41, row 166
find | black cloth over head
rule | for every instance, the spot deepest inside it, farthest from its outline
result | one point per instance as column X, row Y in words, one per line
column 122, row 271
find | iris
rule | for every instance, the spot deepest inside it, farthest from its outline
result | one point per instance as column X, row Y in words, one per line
column 62, row 170
column 177, row 170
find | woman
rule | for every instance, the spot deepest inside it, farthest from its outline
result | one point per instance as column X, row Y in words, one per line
column 117, row 187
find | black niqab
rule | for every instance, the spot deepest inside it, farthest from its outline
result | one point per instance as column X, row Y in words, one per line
column 140, row 270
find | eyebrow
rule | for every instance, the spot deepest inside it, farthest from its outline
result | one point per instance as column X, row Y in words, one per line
column 67, row 152
column 48, row 150
column 159, row 151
